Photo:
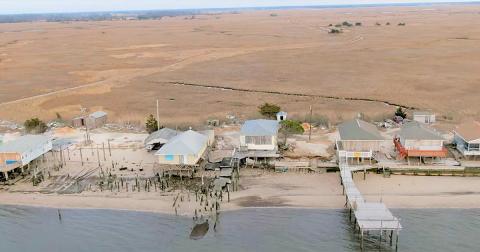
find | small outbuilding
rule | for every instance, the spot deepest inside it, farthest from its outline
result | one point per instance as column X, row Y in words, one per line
column 467, row 138
column 358, row 139
column 281, row 116
column 419, row 140
column 23, row 150
column 186, row 148
column 424, row 117
column 259, row 134
column 92, row 121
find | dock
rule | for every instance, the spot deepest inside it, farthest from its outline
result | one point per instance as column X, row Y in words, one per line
column 369, row 217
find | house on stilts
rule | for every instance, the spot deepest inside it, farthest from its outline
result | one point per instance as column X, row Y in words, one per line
column 358, row 141
column 419, row 142
column 467, row 139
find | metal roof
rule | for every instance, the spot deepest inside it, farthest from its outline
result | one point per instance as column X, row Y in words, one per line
column 422, row 113
column 98, row 114
column 24, row 144
column 416, row 131
column 260, row 127
column 357, row 129
column 469, row 131
column 161, row 136
column 187, row 143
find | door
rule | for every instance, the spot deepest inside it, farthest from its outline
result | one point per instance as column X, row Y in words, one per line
column 184, row 159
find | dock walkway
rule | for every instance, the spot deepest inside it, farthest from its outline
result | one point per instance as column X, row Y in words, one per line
column 369, row 216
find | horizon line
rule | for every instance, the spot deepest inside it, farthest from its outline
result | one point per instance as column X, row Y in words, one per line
column 341, row 5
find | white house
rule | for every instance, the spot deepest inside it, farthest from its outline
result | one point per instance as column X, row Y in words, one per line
column 467, row 138
column 424, row 117
column 259, row 134
column 186, row 148
column 23, row 150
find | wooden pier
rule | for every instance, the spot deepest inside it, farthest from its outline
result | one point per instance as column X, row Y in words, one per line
column 370, row 217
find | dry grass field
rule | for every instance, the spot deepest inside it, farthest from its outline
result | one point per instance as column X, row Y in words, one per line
column 433, row 62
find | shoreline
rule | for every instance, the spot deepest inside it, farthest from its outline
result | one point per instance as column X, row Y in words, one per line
column 283, row 191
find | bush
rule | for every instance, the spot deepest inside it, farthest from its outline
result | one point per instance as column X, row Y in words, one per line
column 321, row 120
column 345, row 23
column 335, row 31
column 358, row 24
column 269, row 110
column 289, row 127
column 152, row 124
column 388, row 23
column 401, row 24
column 400, row 113
column 35, row 126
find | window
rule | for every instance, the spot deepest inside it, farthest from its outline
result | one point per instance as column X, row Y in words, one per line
column 169, row 157
column 473, row 146
column 258, row 140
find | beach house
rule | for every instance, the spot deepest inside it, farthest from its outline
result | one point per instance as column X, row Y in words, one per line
column 21, row 151
column 358, row 140
column 186, row 148
column 420, row 141
column 259, row 134
column 467, row 139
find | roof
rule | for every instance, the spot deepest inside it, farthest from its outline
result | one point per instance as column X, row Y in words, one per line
column 98, row 114
column 416, row 131
column 282, row 113
column 187, row 143
column 161, row 136
column 422, row 113
column 357, row 129
column 260, row 127
column 469, row 131
column 24, row 143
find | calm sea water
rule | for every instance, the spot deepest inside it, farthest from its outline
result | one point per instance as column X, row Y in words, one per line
column 39, row 229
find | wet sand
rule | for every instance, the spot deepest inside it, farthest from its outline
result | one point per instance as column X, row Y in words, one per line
column 290, row 190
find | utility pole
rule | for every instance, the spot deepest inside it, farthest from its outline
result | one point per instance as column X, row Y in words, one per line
column 310, row 126
column 158, row 118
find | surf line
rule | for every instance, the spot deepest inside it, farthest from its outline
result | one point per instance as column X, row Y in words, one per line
column 225, row 88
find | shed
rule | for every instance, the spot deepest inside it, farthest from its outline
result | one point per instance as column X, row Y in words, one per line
column 259, row 134
column 186, row 148
column 467, row 138
column 281, row 116
column 160, row 137
column 424, row 117
column 94, row 120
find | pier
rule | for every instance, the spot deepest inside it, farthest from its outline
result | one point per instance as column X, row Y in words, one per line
column 368, row 216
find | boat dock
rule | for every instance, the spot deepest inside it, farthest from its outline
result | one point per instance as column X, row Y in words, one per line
column 369, row 217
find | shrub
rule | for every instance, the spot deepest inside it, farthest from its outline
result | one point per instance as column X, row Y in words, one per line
column 358, row 24
column 269, row 110
column 152, row 124
column 335, row 31
column 401, row 24
column 345, row 23
column 400, row 113
column 289, row 127
column 35, row 126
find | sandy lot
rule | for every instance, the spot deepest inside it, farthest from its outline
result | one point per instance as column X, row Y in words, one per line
column 124, row 66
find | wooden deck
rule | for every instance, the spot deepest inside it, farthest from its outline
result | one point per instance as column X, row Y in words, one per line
column 369, row 216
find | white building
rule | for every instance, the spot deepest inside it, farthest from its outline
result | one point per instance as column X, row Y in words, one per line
column 186, row 148
column 259, row 134
column 22, row 151
column 424, row 117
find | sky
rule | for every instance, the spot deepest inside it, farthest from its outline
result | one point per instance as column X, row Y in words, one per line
column 47, row 6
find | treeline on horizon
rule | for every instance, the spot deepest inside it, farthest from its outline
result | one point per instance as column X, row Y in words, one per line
column 158, row 14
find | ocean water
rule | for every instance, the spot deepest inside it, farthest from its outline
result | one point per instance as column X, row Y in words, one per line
column 262, row 229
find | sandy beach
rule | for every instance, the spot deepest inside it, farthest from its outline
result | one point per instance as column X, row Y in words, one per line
column 269, row 189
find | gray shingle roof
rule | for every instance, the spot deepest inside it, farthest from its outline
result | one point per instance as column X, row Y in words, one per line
column 98, row 114
column 24, row 144
column 187, row 143
column 357, row 129
column 260, row 127
column 161, row 136
column 416, row 131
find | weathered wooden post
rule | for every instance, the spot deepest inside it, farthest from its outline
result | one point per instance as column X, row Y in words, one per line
column 81, row 156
